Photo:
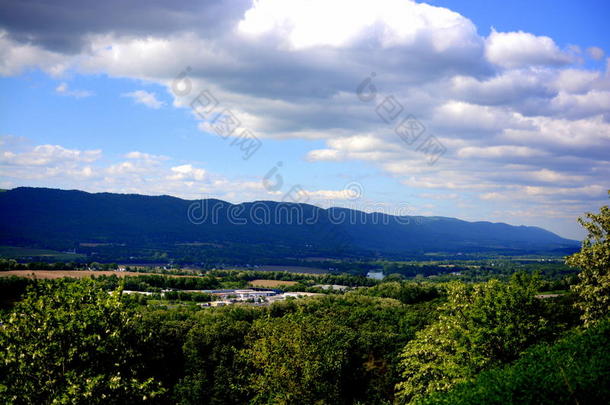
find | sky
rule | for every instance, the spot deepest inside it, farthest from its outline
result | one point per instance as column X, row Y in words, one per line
column 481, row 110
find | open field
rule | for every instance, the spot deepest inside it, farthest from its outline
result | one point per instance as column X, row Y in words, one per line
column 271, row 283
column 52, row 274
column 15, row 252
column 289, row 269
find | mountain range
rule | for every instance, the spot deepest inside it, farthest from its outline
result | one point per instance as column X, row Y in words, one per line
column 129, row 224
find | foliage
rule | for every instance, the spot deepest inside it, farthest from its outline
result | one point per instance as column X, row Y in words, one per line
column 405, row 292
column 68, row 342
column 575, row 370
column 307, row 279
column 12, row 264
column 239, row 354
column 78, row 341
column 593, row 259
column 154, row 282
column 480, row 326
column 215, row 372
column 187, row 296
column 298, row 360
column 11, row 290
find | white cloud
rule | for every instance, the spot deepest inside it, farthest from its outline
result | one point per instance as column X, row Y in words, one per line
column 334, row 195
column 499, row 151
column 513, row 109
column 19, row 160
column 594, row 190
column 439, row 196
column 325, row 155
column 493, row 196
column 519, row 49
column 64, row 90
column 551, row 176
column 126, row 168
column 472, row 118
column 309, row 23
column 187, row 171
column 511, row 86
column 575, row 137
column 15, row 57
column 576, row 80
column 145, row 98
column 595, row 52
column 136, row 155
column 576, row 106
column 362, row 143
column 44, row 155
column 141, row 173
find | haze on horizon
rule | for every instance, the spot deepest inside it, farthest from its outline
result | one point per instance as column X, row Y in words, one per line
column 464, row 109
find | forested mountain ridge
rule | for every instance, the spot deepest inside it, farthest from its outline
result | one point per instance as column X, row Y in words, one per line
column 62, row 219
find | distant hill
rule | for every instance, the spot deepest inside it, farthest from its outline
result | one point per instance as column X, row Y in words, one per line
column 124, row 223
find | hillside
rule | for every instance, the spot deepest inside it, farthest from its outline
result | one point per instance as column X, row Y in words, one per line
column 59, row 219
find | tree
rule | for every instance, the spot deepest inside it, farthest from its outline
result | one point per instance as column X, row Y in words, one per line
column 479, row 326
column 70, row 342
column 298, row 360
column 593, row 288
column 215, row 373
column 572, row 370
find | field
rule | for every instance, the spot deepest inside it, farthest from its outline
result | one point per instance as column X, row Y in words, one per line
column 271, row 283
column 52, row 274
column 289, row 269
column 14, row 252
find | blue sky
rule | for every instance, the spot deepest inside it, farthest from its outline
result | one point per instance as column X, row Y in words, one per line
column 518, row 114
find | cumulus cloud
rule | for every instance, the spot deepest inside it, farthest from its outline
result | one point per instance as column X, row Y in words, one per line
column 44, row 155
column 140, row 172
column 64, row 90
column 66, row 27
column 576, row 80
column 595, row 52
column 499, row 151
column 551, row 176
column 145, row 98
column 325, row 155
column 187, row 172
column 513, row 109
column 19, row 160
column 506, row 88
column 304, row 24
column 136, row 155
column 15, row 57
column 519, row 49
column 332, row 195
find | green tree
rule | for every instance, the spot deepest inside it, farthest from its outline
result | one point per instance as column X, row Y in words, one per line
column 593, row 288
column 479, row 326
column 298, row 360
column 404, row 291
column 572, row 370
column 215, row 372
column 70, row 342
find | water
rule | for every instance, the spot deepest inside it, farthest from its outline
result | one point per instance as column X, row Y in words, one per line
column 375, row 275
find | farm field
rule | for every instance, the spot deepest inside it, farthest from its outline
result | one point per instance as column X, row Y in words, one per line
column 54, row 274
column 271, row 283
column 289, row 269
column 15, row 252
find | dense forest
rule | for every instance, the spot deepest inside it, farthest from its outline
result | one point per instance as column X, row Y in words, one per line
column 497, row 340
